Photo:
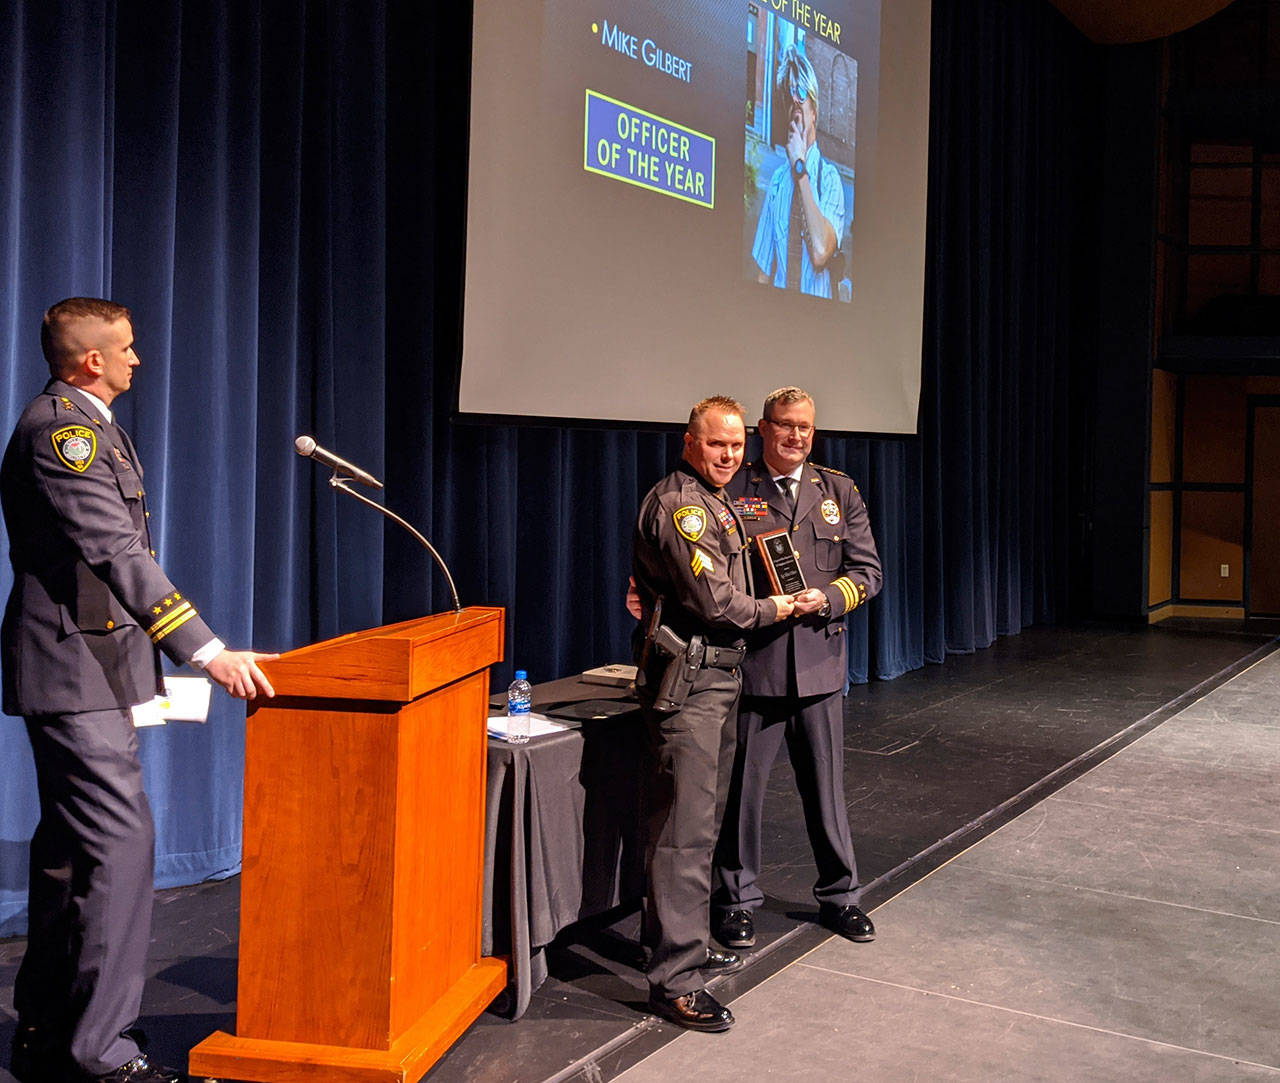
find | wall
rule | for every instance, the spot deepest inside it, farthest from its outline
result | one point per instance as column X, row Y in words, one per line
column 1210, row 495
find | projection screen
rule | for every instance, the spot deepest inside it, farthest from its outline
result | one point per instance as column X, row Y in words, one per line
column 674, row 198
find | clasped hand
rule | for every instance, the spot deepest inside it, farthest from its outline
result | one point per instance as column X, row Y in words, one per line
column 799, row 605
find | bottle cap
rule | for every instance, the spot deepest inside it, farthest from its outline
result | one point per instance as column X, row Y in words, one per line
column 521, row 675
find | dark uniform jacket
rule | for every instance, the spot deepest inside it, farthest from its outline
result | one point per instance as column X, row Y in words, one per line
column 832, row 536
column 90, row 605
column 688, row 550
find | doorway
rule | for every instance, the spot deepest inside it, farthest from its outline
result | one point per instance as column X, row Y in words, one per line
column 1262, row 508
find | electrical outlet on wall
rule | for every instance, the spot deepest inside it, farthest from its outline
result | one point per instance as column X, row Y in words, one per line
column 1224, row 570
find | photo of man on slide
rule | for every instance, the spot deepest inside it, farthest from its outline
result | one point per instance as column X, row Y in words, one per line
column 800, row 237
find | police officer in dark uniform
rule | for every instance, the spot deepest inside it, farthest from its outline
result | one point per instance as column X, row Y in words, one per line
column 794, row 675
column 89, row 611
column 692, row 577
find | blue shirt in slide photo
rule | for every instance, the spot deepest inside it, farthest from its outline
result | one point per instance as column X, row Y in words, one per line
column 770, row 248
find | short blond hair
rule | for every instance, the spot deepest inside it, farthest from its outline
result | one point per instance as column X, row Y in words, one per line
column 722, row 403
column 796, row 75
column 785, row 396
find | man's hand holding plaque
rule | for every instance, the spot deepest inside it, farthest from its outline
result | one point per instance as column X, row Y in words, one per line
column 808, row 601
column 781, row 562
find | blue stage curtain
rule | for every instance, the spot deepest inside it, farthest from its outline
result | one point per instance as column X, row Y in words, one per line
column 278, row 192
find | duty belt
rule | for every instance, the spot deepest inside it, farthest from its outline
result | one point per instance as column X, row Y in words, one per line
column 685, row 659
column 723, row 657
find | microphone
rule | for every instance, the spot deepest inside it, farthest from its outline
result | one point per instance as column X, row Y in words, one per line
column 307, row 447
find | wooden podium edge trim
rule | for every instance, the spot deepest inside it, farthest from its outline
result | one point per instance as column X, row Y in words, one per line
column 402, row 632
column 411, row 1054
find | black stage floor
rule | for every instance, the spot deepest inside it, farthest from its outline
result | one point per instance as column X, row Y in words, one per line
column 935, row 760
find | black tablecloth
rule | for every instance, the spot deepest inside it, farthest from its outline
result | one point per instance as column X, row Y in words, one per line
column 562, row 830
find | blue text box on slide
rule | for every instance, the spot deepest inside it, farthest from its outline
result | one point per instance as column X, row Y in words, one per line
column 638, row 147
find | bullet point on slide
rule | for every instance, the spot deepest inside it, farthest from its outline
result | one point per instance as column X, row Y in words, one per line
column 595, row 28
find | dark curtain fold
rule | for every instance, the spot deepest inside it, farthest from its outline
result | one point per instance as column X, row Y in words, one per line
column 278, row 191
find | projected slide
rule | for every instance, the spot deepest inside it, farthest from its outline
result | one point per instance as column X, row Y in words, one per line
column 801, row 199
column 662, row 203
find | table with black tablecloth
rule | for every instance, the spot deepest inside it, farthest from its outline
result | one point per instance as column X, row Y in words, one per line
column 562, row 827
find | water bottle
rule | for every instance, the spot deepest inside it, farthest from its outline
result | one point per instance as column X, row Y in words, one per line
column 519, row 698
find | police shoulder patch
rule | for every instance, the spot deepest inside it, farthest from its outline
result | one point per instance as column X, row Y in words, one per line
column 75, row 446
column 691, row 521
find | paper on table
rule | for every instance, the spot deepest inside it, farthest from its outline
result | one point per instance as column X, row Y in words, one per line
column 539, row 725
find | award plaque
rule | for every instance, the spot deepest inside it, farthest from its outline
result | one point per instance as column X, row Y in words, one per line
column 780, row 561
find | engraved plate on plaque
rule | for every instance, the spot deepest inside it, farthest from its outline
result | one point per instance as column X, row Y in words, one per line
column 780, row 561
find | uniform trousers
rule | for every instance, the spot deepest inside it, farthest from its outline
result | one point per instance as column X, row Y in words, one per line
column 91, row 888
column 813, row 729
column 690, row 756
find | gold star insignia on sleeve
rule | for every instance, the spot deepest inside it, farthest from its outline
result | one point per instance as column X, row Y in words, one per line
column 171, row 620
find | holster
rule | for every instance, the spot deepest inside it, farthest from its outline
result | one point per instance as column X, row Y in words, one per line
column 681, row 670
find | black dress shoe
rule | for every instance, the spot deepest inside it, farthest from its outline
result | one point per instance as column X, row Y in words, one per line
column 698, row 1010
column 722, row 962
column 736, row 929
column 847, row 921
column 140, row 1070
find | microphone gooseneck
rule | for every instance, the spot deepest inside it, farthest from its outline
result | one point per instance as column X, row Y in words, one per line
column 344, row 473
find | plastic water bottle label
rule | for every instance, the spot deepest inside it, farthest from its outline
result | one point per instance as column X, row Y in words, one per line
column 519, row 701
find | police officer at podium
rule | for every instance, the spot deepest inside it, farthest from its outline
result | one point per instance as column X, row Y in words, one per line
column 89, row 613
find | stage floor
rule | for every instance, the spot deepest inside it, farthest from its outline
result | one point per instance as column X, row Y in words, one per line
column 935, row 761
column 1125, row 928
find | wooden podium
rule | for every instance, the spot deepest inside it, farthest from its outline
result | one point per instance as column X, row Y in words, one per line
column 363, row 868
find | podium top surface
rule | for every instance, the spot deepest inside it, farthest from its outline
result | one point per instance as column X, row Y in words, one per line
column 396, row 662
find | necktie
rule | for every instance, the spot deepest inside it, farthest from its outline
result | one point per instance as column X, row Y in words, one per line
column 795, row 240
column 788, row 501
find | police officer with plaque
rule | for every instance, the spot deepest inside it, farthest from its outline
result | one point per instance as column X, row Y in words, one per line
column 811, row 538
column 693, row 583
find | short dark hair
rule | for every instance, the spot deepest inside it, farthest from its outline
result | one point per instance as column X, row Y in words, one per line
column 54, row 340
column 722, row 403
